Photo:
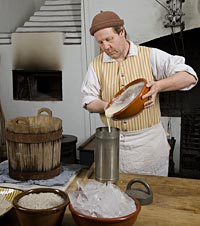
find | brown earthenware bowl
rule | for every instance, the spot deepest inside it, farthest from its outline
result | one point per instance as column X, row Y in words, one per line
column 84, row 220
column 136, row 105
column 50, row 216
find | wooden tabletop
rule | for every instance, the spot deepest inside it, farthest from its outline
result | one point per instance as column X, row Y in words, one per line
column 176, row 202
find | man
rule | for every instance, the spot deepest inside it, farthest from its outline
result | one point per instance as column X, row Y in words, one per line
column 143, row 143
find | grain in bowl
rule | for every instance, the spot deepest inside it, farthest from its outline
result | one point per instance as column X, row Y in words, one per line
column 41, row 206
column 42, row 200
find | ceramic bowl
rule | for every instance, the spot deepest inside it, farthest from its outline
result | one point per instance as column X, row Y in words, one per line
column 46, row 216
column 137, row 103
column 84, row 220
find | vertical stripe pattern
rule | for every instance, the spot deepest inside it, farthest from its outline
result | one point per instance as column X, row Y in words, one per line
column 115, row 75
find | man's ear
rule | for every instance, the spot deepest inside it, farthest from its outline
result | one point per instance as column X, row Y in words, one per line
column 122, row 32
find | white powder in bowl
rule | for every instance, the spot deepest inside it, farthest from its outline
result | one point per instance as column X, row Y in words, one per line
column 43, row 200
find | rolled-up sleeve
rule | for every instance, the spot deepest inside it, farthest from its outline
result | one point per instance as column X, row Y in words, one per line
column 90, row 88
column 165, row 65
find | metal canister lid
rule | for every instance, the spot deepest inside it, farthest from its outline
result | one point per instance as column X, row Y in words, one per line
column 143, row 195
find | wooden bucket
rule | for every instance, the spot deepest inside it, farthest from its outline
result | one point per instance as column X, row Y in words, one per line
column 34, row 146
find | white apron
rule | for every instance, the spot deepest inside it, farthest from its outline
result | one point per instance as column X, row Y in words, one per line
column 145, row 151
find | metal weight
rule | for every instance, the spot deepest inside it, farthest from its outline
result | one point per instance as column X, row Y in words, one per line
column 143, row 195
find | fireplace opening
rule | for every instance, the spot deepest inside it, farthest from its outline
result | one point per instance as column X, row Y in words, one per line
column 185, row 105
column 40, row 85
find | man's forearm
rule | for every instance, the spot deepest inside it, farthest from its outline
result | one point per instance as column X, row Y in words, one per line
column 177, row 81
column 96, row 106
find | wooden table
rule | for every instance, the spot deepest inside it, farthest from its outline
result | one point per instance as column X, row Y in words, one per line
column 176, row 202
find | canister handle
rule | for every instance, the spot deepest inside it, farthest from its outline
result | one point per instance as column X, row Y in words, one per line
column 47, row 110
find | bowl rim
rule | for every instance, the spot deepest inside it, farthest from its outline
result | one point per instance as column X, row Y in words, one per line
column 104, row 219
column 37, row 191
column 140, row 94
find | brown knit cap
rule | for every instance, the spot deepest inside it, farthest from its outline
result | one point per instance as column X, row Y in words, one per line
column 105, row 19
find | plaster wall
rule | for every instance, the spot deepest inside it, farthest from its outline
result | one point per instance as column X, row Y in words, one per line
column 13, row 13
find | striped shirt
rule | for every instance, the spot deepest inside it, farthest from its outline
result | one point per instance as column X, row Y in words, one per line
column 113, row 76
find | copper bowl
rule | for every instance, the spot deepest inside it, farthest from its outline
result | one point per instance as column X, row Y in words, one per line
column 137, row 103
column 83, row 220
column 49, row 216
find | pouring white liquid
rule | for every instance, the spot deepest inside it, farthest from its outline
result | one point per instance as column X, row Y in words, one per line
column 122, row 101
column 109, row 112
